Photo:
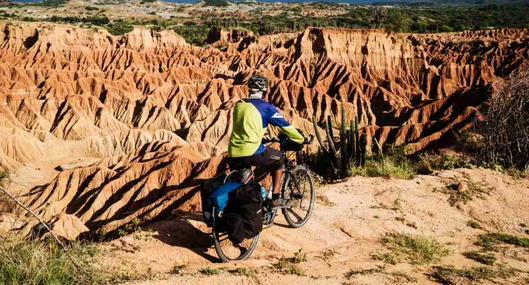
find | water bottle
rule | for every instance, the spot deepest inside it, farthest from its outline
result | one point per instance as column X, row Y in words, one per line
column 263, row 192
column 269, row 194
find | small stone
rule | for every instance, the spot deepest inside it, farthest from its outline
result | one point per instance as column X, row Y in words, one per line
column 462, row 187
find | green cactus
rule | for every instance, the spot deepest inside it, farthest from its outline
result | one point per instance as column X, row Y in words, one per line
column 343, row 152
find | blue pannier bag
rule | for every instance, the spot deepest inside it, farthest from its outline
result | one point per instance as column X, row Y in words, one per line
column 218, row 200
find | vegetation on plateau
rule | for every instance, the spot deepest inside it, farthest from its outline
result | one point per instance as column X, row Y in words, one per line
column 417, row 18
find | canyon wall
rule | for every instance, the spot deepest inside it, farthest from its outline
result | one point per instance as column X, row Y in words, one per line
column 104, row 129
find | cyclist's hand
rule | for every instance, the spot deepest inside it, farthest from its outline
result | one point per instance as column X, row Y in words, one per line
column 308, row 140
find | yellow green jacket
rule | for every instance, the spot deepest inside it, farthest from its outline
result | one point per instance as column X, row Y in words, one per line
column 251, row 117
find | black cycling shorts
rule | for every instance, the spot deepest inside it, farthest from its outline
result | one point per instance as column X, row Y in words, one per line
column 268, row 161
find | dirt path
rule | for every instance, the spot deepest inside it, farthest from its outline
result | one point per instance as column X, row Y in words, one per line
column 338, row 244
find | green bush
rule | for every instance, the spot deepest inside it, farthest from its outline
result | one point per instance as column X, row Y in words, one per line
column 446, row 29
column 119, row 28
column 387, row 167
column 394, row 164
column 53, row 3
column 192, row 33
column 216, row 3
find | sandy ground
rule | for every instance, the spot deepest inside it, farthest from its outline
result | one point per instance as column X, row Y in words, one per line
column 345, row 231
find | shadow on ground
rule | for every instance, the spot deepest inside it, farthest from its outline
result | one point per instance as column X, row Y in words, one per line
column 181, row 231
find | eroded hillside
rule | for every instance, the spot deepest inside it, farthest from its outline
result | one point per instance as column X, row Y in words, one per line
column 107, row 129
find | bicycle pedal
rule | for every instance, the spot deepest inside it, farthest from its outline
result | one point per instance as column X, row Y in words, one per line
column 297, row 195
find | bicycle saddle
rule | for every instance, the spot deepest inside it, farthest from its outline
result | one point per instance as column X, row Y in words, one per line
column 243, row 175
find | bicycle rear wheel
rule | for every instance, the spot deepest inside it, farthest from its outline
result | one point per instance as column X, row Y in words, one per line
column 227, row 250
column 300, row 195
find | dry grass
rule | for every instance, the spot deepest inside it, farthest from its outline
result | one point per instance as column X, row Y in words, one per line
column 429, row 162
column 289, row 265
column 463, row 190
column 451, row 275
column 387, row 167
column 506, row 125
column 44, row 262
column 324, row 200
column 481, row 257
column 355, row 272
column 6, row 203
column 490, row 240
column 411, row 249
column 209, row 271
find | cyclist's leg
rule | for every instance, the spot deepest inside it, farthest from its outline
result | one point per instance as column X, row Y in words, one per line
column 271, row 161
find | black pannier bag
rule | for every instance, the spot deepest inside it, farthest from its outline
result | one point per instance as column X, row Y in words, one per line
column 206, row 190
column 243, row 216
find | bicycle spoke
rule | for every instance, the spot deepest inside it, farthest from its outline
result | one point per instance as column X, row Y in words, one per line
column 300, row 193
column 295, row 214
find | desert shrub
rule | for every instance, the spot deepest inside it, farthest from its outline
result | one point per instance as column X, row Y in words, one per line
column 209, row 271
column 393, row 164
column 288, row 265
column 119, row 28
column 387, row 167
column 505, row 127
column 3, row 177
column 53, row 3
column 481, row 257
column 428, row 162
column 94, row 20
column 216, row 3
column 6, row 203
column 451, row 275
column 411, row 249
column 463, row 190
column 192, row 33
column 489, row 240
column 44, row 262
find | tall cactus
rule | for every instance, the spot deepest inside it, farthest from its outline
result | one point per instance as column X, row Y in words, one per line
column 343, row 152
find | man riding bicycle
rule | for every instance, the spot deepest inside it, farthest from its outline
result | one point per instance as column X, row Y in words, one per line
column 251, row 117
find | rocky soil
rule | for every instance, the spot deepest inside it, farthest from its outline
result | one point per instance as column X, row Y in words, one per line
column 343, row 241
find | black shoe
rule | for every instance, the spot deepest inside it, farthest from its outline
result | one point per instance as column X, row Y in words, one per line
column 278, row 202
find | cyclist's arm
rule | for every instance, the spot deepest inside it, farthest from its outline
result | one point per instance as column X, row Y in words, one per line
column 276, row 119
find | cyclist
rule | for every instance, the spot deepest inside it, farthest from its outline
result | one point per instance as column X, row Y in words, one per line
column 251, row 117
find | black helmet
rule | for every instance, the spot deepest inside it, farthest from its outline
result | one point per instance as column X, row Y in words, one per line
column 258, row 84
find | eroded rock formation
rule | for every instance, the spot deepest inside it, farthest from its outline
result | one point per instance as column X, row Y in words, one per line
column 151, row 113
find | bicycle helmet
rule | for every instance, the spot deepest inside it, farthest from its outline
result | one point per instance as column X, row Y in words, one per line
column 258, row 84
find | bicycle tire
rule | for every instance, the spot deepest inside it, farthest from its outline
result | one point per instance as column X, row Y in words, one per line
column 302, row 174
column 221, row 243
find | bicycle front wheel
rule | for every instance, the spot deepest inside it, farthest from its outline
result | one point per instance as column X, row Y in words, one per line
column 300, row 194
